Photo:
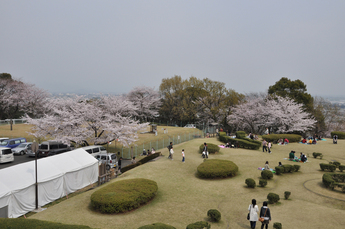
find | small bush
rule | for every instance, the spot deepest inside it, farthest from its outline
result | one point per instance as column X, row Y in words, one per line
column 214, row 214
column 262, row 182
column 241, row 134
column 123, row 196
column 279, row 170
column 266, row 174
column 328, row 167
column 250, row 183
column 272, row 198
column 157, row 226
column 315, row 155
column 331, row 180
column 277, row 226
column 216, row 168
column 211, row 148
column 199, row 225
column 335, row 163
column 341, row 135
column 296, row 167
column 239, row 142
column 288, row 168
column 341, row 168
column 287, row 194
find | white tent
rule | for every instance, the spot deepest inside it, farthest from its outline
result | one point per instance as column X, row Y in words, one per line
column 57, row 176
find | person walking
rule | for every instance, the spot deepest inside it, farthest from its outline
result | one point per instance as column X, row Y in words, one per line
column 169, row 148
column 265, row 213
column 269, row 147
column 119, row 163
column 253, row 213
column 205, row 150
column 264, row 146
column 171, row 153
column 183, row 155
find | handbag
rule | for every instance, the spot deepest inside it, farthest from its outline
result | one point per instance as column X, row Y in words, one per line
column 248, row 217
column 262, row 219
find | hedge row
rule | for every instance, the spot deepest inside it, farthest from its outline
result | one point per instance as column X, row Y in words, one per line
column 157, row 226
column 240, row 143
column 332, row 180
column 341, row 135
column 199, row 225
column 216, row 168
column 275, row 137
column 287, row 169
column 315, row 155
column 211, row 148
column 123, row 196
column 141, row 161
column 10, row 223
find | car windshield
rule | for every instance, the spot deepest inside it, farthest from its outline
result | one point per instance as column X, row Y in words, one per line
column 21, row 146
column 3, row 143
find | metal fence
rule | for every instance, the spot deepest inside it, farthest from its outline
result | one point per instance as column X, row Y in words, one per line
column 15, row 121
column 135, row 151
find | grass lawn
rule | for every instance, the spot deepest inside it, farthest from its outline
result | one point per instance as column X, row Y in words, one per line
column 183, row 198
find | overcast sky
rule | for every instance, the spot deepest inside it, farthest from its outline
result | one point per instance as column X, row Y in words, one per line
column 112, row 46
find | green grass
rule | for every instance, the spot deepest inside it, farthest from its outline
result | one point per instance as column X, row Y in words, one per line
column 183, row 198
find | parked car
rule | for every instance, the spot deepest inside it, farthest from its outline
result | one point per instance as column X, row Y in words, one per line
column 12, row 143
column 1, row 139
column 6, row 155
column 189, row 126
column 22, row 148
column 95, row 150
column 109, row 158
column 50, row 148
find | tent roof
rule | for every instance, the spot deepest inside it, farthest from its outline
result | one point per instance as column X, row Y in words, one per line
column 22, row 175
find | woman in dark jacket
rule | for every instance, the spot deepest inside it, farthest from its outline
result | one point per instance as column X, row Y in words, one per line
column 266, row 214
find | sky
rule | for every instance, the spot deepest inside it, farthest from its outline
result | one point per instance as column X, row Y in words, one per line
column 112, row 46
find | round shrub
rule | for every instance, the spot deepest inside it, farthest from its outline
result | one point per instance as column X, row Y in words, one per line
column 296, row 167
column 266, row 174
column 288, row 168
column 277, row 226
column 214, row 214
column 287, row 194
column 279, row 170
column 272, row 198
column 250, row 183
column 157, row 226
column 262, row 182
column 199, row 225
column 216, row 168
column 211, row 148
column 123, row 196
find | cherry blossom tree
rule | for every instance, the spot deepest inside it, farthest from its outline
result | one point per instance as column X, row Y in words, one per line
column 282, row 114
column 17, row 98
column 84, row 121
column 147, row 101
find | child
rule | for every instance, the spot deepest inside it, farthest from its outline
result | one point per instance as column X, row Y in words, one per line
column 171, row 153
column 183, row 155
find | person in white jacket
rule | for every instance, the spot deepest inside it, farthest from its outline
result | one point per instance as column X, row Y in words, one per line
column 253, row 213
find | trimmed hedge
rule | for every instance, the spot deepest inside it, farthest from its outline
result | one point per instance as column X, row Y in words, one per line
column 272, row 198
column 315, row 155
column 279, row 170
column 262, row 182
column 199, row 225
column 157, row 226
column 250, row 183
column 141, row 161
column 275, row 137
column 296, row 167
column 240, row 143
column 341, row 168
column 214, row 214
column 341, row 135
column 288, row 168
column 266, row 174
column 277, row 226
column 211, row 148
column 123, row 196
column 329, row 167
column 336, row 163
column 241, row 134
column 216, row 168
column 287, row 194
column 332, row 180
column 9, row 223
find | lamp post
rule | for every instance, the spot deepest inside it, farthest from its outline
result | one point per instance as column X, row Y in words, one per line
column 34, row 148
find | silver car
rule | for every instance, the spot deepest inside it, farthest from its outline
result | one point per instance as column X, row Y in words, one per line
column 22, row 148
column 110, row 159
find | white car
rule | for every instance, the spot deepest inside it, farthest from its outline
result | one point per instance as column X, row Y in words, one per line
column 22, row 148
column 189, row 126
column 111, row 160
column 95, row 150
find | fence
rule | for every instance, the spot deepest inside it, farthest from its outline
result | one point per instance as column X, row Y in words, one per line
column 135, row 151
column 15, row 121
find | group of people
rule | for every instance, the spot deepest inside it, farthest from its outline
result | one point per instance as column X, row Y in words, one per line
column 267, row 167
column 148, row 153
column 264, row 213
column 171, row 152
column 266, row 146
column 283, row 142
column 302, row 158
column 309, row 141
